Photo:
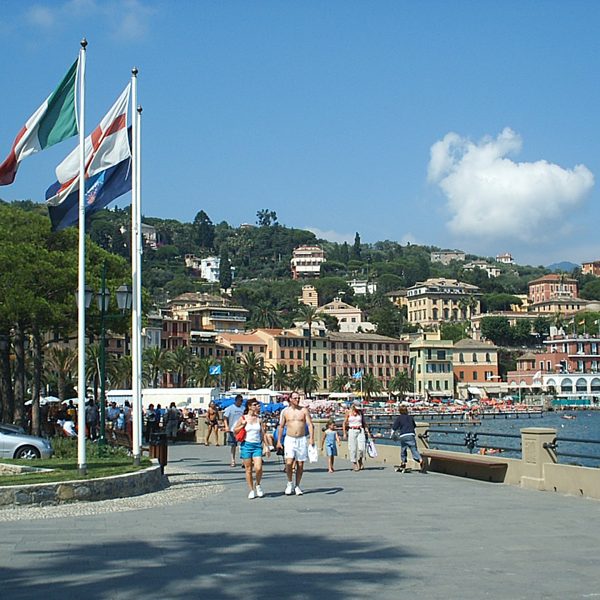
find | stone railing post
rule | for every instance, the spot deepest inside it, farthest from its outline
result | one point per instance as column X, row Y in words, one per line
column 534, row 455
column 319, row 425
column 201, row 429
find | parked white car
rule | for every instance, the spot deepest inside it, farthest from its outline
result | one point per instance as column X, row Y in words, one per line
column 15, row 443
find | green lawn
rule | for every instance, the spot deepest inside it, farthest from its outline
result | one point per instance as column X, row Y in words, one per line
column 101, row 462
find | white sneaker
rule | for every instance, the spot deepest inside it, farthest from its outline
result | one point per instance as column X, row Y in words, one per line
column 251, row 495
column 289, row 488
column 259, row 491
column 298, row 491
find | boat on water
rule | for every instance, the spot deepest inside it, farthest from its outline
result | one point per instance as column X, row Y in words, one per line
column 569, row 417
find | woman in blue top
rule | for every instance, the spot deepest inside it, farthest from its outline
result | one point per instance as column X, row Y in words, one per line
column 331, row 439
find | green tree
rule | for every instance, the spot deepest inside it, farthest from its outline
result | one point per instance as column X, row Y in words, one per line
column 356, row 251
column 340, row 383
column 264, row 316
column 266, row 217
column 370, row 385
column 225, row 279
column 309, row 315
column 158, row 362
column 305, row 380
column 61, row 363
column 541, row 326
column 253, row 369
column 230, row 371
column 280, row 377
column 181, row 363
column 454, row 331
column 204, row 230
column 497, row 330
column 401, row 383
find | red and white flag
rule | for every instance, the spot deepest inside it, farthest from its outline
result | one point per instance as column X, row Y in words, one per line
column 107, row 146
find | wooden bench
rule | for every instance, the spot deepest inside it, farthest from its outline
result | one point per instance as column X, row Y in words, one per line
column 474, row 466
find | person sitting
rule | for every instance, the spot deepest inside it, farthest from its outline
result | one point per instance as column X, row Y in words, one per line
column 68, row 427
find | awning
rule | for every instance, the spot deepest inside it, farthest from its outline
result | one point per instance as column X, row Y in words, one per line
column 475, row 391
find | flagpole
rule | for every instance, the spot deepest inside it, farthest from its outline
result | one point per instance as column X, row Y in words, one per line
column 135, row 305
column 139, row 267
column 81, row 386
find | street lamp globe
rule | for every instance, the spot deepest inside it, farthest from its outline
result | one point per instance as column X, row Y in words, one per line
column 124, row 296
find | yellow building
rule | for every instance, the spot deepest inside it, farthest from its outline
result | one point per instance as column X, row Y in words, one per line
column 442, row 300
column 431, row 365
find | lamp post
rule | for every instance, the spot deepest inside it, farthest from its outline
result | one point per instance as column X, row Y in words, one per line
column 103, row 300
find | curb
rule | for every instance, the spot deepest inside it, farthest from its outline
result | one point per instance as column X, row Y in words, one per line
column 90, row 490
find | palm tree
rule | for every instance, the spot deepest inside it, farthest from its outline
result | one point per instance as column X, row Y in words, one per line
column 280, row 377
column 253, row 369
column 400, row 383
column 158, row 362
column 306, row 380
column 370, row 385
column 92, row 367
column 309, row 314
column 122, row 373
column 201, row 372
column 61, row 363
column 340, row 383
column 230, row 371
column 265, row 316
column 181, row 364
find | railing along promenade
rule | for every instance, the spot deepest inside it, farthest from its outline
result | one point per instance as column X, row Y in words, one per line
column 529, row 459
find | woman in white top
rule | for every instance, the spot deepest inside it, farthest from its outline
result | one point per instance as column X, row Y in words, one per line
column 251, row 449
column 356, row 429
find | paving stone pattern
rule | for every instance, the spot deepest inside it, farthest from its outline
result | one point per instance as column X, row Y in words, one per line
column 375, row 534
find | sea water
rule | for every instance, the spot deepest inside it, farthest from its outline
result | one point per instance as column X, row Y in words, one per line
column 584, row 426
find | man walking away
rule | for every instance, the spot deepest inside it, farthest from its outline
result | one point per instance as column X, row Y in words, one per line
column 172, row 422
column 404, row 429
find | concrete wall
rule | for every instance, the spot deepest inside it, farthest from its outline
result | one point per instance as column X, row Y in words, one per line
column 119, row 486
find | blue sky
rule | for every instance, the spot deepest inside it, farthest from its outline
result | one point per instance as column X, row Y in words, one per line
column 461, row 124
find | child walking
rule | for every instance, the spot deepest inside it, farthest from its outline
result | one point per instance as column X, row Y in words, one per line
column 331, row 439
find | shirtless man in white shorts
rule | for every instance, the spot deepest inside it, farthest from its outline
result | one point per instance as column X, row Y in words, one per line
column 295, row 446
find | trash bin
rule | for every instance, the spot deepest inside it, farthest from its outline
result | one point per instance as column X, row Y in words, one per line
column 158, row 448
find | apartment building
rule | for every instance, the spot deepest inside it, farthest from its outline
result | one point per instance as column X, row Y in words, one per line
column 441, row 300
column 447, row 256
column 306, row 261
column 378, row 355
column 349, row 318
column 551, row 287
column 591, row 268
column 475, row 362
column 491, row 270
column 431, row 361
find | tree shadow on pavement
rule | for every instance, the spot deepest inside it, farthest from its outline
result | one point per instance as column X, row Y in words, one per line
column 211, row 566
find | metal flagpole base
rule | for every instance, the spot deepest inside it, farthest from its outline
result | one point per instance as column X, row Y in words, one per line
column 82, row 470
column 137, row 460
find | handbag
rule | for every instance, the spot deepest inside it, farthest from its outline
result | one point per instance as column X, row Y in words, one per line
column 240, row 436
column 371, row 448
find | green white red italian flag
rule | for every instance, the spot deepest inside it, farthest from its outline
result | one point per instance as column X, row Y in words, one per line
column 54, row 121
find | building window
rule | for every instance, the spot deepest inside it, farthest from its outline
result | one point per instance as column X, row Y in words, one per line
column 474, row 375
column 461, row 357
column 461, row 375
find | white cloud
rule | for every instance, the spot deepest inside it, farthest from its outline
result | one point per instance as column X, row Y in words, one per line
column 332, row 236
column 124, row 19
column 41, row 16
column 491, row 196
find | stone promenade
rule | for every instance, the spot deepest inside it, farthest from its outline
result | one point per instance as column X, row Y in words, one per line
column 375, row 534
